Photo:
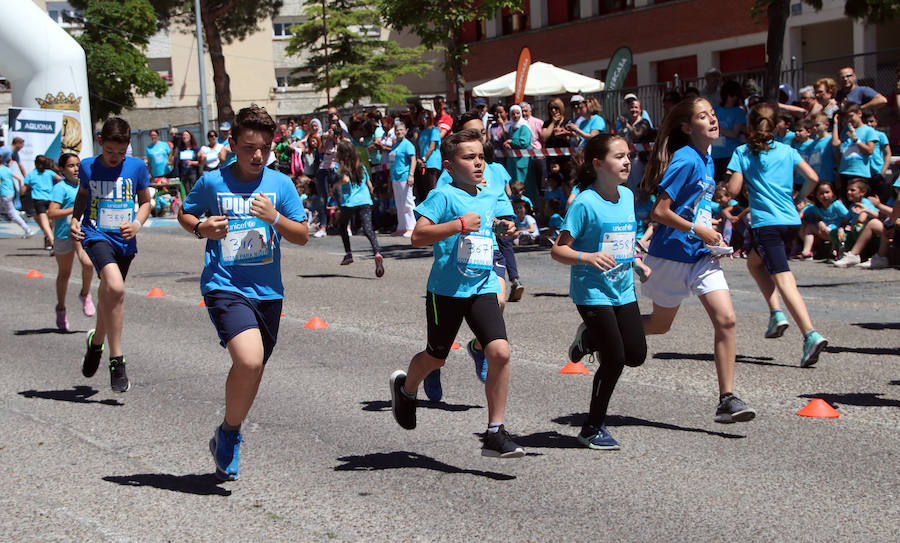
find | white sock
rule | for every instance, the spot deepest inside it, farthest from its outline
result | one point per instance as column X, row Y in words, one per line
column 494, row 427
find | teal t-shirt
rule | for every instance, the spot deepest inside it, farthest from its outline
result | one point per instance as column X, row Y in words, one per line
column 833, row 216
column 64, row 194
column 41, row 184
column 158, row 156
column 728, row 118
column 7, row 187
column 426, row 136
column 853, row 161
column 596, row 122
column 353, row 195
column 805, row 149
column 463, row 264
column 821, row 158
column 769, row 177
column 596, row 224
column 876, row 161
column 401, row 153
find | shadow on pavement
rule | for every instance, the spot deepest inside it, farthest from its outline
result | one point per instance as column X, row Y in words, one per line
column 578, row 419
column 37, row 331
column 740, row 359
column 549, row 294
column 864, row 350
column 895, row 382
column 78, row 394
column 548, row 440
column 878, row 325
column 385, row 405
column 406, row 459
column 334, row 276
column 862, row 399
column 202, row 484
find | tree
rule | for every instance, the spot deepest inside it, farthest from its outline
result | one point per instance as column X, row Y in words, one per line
column 440, row 23
column 224, row 22
column 777, row 12
column 114, row 36
column 364, row 66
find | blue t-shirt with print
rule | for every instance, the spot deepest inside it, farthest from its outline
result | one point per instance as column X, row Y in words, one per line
column 769, row 178
column 41, row 184
column 463, row 264
column 821, row 158
column 112, row 194
column 688, row 181
column 248, row 260
column 426, row 136
column 401, row 153
column 356, row 194
column 876, row 161
column 597, row 224
column 728, row 119
column 7, row 187
column 158, row 156
column 833, row 216
column 853, row 161
column 64, row 194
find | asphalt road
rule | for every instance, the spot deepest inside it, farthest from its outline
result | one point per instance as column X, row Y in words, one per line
column 324, row 460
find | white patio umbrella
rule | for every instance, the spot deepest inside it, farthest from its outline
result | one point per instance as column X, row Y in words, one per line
column 542, row 79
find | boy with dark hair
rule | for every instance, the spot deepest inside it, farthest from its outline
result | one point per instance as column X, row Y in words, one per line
column 249, row 209
column 880, row 161
column 110, row 183
column 458, row 219
column 857, row 143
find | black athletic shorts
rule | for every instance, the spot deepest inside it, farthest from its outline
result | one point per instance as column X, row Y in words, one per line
column 446, row 313
column 232, row 313
column 772, row 244
column 102, row 253
column 40, row 206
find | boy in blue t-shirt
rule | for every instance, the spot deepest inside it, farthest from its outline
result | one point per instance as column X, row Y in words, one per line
column 881, row 156
column 857, row 143
column 105, row 221
column 249, row 209
column 459, row 221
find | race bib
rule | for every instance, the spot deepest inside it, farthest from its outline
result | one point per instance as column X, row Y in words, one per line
column 112, row 213
column 247, row 242
column 187, row 154
column 703, row 215
column 618, row 241
column 474, row 254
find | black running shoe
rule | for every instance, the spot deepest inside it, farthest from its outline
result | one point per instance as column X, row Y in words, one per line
column 732, row 409
column 118, row 379
column 578, row 349
column 499, row 445
column 404, row 408
column 91, row 357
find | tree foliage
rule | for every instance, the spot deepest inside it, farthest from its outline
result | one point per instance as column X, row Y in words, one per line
column 114, row 37
column 360, row 64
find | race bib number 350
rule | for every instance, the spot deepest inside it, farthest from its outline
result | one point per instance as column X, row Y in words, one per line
column 112, row 213
column 247, row 242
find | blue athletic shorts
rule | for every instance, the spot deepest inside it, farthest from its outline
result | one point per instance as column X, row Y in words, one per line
column 102, row 253
column 773, row 243
column 232, row 314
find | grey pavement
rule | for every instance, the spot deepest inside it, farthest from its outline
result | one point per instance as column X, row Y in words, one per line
column 324, row 459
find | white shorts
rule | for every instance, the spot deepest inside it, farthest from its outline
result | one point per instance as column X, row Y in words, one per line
column 672, row 281
column 63, row 246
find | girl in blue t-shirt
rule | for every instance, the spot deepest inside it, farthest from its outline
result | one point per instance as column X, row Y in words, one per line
column 768, row 168
column 823, row 219
column 680, row 173
column 356, row 201
column 597, row 240
column 40, row 181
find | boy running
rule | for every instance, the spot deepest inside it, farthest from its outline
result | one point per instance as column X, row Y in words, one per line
column 458, row 219
column 249, row 208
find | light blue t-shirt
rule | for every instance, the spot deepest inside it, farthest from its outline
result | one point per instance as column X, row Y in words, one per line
column 248, row 260
column 689, row 183
column 596, row 225
column 7, row 187
column 158, row 156
column 805, row 149
column 41, row 184
column 728, row 118
column 401, row 154
column 555, row 221
column 596, row 122
column 64, row 194
column 853, row 161
column 822, row 158
column 833, row 216
column 876, row 161
column 353, row 195
column 496, row 178
column 769, row 177
column 426, row 136
column 112, row 194
column 786, row 139
column 463, row 264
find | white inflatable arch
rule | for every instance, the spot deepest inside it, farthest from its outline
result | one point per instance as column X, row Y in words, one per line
column 46, row 69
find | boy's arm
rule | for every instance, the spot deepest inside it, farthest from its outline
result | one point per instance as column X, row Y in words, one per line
column 77, row 213
column 214, row 227
column 427, row 232
column 835, row 136
column 293, row 231
column 55, row 211
column 130, row 229
column 886, row 149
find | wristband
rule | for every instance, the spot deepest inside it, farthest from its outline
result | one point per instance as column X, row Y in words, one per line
column 277, row 216
column 462, row 225
column 578, row 259
column 691, row 233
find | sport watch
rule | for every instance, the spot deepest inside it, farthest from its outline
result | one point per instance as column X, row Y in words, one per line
column 197, row 229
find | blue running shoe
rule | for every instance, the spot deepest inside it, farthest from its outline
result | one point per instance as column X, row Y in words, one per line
column 812, row 346
column 480, row 361
column 225, row 448
column 432, row 386
column 593, row 438
column 777, row 325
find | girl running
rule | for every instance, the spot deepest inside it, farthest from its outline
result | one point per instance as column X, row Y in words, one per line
column 62, row 200
column 680, row 173
column 602, row 282
column 356, row 200
column 767, row 167
column 40, row 180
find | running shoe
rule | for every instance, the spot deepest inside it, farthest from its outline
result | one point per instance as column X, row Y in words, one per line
column 87, row 305
column 29, row 232
column 379, row 265
column 320, row 234
column 500, row 445
column 481, row 368
column 598, row 439
column 48, row 245
column 849, row 259
column 777, row 325
column 348, row 259
column 91, row 356
column 732, row 409
column 876, row 263
column 515, row 291
column 812, row 346
column 62, row 322
column 118, row 378
column 432, row 386
column 578, row 349
column 226, row 448
column 403, row 408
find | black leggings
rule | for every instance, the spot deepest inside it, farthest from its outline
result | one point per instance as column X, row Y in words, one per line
column 616, row 333
column 363, row 214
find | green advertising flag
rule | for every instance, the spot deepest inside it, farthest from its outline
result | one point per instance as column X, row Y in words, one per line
column 617, row 71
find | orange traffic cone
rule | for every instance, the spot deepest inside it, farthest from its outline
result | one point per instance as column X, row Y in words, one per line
column 33, row 274
column 455, row 346
column 202, row 303
column 315, row 323
column 575, row 368
column 156, row 292
column 282, row 313
column 819, row 408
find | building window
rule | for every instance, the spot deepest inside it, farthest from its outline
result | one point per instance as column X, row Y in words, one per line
column 282, row 30
column 515, row 21
column 612, row 6
column 563, row 11
column 473, row 31
column 162, row 66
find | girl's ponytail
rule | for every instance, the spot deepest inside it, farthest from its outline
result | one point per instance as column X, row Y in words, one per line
column 761, row 122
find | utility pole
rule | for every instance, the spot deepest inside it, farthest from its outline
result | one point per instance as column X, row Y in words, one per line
column 325, row 37
column 204, row 113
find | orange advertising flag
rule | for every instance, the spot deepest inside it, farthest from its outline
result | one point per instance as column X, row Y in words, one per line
column 522, row 74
